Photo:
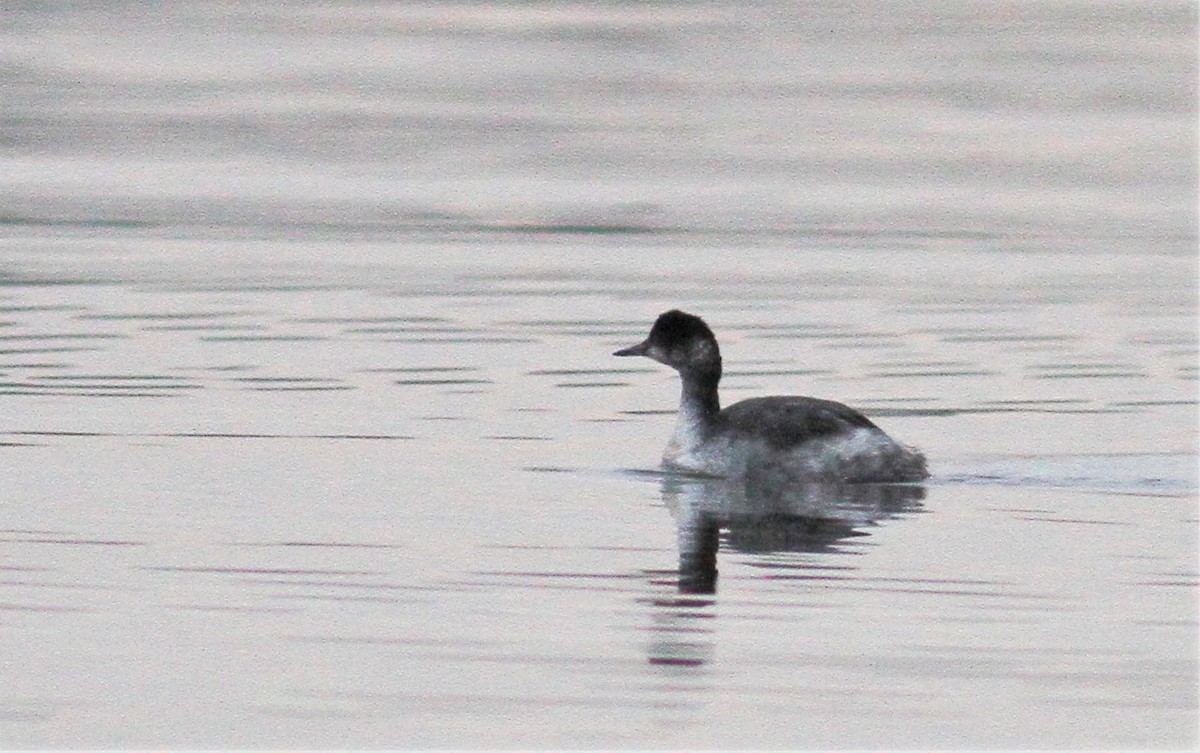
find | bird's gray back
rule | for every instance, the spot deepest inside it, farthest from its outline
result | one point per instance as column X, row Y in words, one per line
column 788, row 421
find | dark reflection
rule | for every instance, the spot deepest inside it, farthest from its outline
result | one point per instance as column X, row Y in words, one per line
column 767, row 518
column 756, row 518
column 698, row 545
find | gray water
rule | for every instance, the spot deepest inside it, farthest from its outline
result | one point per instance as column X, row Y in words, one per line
column 312, row 436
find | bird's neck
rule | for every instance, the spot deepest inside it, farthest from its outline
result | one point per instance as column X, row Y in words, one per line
column 698, row 400
column 696, row 420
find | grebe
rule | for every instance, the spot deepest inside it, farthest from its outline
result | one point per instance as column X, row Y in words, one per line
column 767, row 439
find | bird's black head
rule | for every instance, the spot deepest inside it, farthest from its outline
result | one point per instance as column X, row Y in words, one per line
column 682, row 341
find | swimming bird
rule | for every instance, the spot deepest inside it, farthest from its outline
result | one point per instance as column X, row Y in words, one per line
column 772, row 440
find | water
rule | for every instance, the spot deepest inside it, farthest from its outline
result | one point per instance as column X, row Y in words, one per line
column 313, row 437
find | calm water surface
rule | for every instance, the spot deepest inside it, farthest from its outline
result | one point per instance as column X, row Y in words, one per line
column 312, row 436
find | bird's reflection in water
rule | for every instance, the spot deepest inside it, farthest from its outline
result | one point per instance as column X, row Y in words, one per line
column 762, row 519
column 759, row 519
